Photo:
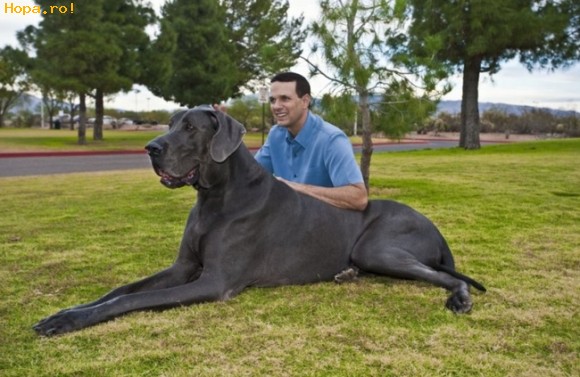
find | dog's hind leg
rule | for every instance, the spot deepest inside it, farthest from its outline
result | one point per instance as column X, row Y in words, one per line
column 399, row 263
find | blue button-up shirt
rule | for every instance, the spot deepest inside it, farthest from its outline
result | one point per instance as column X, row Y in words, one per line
column 321, row 155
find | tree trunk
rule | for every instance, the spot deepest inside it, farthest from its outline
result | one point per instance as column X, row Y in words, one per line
column 82, row 119
column 469, row 137
column 99, row 112
column 5, row 104
column 72, row 114
column 367, row 147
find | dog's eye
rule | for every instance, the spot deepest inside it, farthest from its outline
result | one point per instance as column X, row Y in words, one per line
column 189, row 126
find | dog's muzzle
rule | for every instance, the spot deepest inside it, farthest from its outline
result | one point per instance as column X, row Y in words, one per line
column 169, row 181
column 155, row 151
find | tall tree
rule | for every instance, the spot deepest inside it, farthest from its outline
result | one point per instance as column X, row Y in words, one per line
column 340, row 111
column 355, row 42
column 402, row 111
column 94, row 52
column 52, row 102
column 202, row 68
column 13, row 79
column 266, row 41
column 68, row 53
column 476, row 36
column 122, row 28
column 212, row 49
column 247, row 110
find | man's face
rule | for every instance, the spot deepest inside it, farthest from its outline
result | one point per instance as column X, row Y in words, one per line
column 289, row 110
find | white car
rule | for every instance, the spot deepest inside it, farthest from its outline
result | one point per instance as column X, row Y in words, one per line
column 108, row 121
column 125, row 122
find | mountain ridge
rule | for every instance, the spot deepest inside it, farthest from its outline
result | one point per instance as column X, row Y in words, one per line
column 32, row 103
column 454, row 107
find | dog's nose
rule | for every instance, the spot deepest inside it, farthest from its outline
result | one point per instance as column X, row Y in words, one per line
column 154, row 148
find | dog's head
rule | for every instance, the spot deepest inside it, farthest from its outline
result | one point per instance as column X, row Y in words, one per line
column 197, row 138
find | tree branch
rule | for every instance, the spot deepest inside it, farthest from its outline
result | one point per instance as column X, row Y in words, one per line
column 334, row 80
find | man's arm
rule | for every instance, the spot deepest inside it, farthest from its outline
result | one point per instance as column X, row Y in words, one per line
column 349, row 197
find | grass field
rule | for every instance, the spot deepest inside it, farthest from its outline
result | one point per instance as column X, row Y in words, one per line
column 511, row 214
column 27, row 140
column 44, row 140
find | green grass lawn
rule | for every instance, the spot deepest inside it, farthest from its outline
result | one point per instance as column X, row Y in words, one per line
column 27, row 140
column 511, row 214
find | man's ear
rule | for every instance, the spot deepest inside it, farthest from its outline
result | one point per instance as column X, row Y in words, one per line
column 306, row 100
column 228, row 137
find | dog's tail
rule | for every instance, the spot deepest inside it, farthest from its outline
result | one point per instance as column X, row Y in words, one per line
column 458, row 275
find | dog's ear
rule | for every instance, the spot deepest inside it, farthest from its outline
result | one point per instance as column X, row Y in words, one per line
column 228, row 137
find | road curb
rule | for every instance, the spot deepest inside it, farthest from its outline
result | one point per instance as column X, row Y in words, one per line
column 142, row 151
column 68, row 153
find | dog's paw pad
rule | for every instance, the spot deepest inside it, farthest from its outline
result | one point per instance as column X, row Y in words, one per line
column 459, row 303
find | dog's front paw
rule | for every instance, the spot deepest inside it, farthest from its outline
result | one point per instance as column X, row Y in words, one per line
column 62, row 322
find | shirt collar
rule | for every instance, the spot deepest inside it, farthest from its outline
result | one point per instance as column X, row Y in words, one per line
column 304, row 137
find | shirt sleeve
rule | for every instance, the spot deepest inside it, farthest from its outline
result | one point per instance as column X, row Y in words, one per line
column 341, row 163
column 263, row 156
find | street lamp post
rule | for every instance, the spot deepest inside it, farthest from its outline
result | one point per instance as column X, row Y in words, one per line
column 136, row 91
column 42, row 112
column 263, row 99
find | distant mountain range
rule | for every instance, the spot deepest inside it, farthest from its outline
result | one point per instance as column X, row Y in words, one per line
column 454, row 107
column 32, row 104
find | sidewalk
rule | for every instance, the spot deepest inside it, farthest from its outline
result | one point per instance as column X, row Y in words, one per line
column 484, row 137
column 410, row 139
column 69, row 153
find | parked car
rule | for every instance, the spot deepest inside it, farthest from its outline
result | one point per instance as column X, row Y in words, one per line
column 64, row 118
column 125, row 122
column 145, row 122
column 108, row 121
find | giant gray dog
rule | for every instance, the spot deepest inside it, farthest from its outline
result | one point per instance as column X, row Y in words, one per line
column 249, row 229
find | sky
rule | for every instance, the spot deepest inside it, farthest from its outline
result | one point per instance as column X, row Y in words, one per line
column 512, row 85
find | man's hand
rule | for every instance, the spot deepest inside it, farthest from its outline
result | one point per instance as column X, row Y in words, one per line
column 349, row 197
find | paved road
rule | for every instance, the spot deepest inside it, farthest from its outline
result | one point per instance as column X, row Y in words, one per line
column 410, row 146
column 45, row 165
column 25, row 166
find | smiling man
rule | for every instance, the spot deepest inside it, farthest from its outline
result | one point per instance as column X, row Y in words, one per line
column 307, row 153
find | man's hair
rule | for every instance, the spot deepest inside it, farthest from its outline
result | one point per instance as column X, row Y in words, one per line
column 302, row 85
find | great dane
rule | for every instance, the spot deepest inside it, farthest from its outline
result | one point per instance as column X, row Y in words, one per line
column 250, row 229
